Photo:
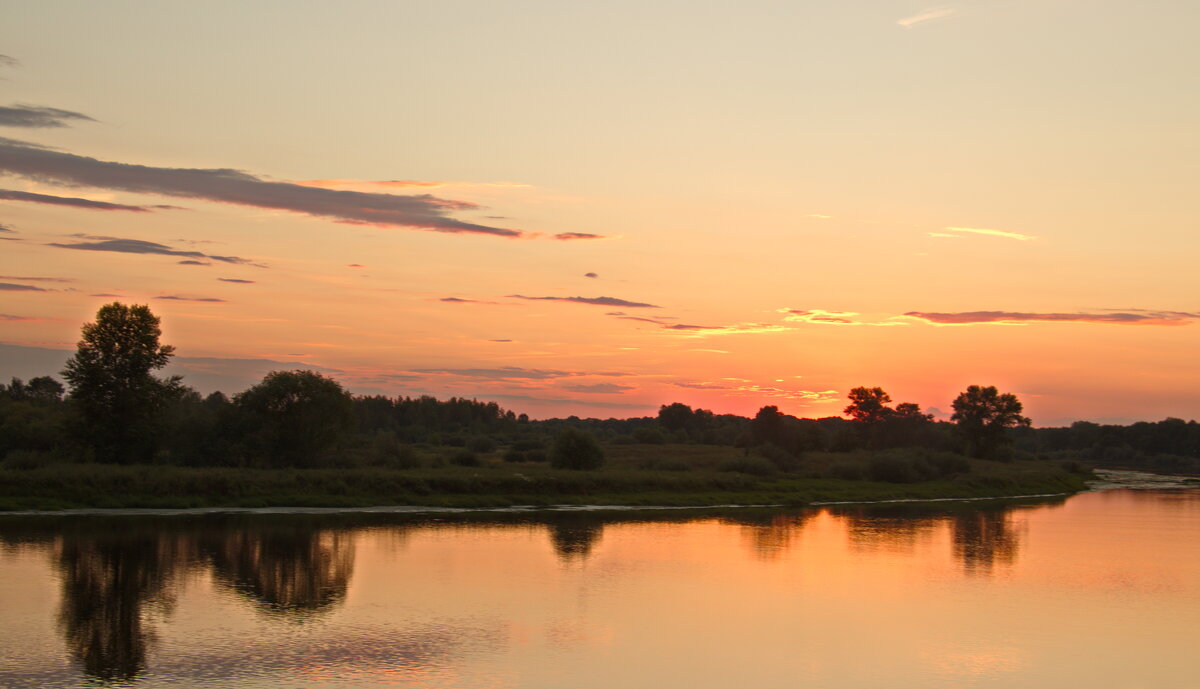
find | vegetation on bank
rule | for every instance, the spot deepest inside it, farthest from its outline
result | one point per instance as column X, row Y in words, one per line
column 647, row 475
column 123, row 437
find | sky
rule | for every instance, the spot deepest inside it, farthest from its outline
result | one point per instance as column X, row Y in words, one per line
column 599, row 208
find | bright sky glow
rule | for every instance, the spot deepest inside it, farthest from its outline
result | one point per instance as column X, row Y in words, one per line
column 598, row 208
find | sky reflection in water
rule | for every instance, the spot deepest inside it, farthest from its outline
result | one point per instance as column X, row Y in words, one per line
column 1099, row 590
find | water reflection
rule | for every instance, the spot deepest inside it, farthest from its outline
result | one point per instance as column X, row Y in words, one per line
column 984, row 540
column 887, row 529
column 108, row 585
column 770, row 535
column 574, row 537
column 120, row 576
column 287, row 571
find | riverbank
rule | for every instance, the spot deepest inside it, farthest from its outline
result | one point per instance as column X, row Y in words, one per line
column 678, row 476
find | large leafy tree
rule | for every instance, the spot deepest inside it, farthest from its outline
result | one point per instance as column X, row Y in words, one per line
column 868, row 405
column 297, row 416
column 576, row 449
column 113, row 388
column 983, row 414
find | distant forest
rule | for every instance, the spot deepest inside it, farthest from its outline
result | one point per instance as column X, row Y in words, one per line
column 116, row 411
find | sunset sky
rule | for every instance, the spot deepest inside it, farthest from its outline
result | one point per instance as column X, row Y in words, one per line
column 599, row 208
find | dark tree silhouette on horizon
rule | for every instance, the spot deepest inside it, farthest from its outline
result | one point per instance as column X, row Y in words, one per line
column 868, row 405
column 983, row 414
column 118, row 398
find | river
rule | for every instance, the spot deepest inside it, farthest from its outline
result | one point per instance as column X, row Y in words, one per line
column 1099, row 590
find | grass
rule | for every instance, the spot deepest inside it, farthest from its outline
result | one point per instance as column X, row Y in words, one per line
column 636, row 475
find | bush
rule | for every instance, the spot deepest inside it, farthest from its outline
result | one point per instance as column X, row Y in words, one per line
column 536, row 456
column 753, row 465
column 848, row 471
column 899, row 468
column 464, row 458
column 515, row 455
column 781, row 458
column 576, row 449
column 482, row 444
column 387, row 450
column 650, row 436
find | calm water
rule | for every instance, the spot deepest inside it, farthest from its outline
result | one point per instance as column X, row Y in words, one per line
column 1100, row 590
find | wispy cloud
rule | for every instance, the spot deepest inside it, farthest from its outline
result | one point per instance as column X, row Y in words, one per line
column 591, row 275
column 74, row 202
column 139, row 246
column 567, row 236
column 35, row 116
column 11, row 287
column 7, row 230
column 961, row 231
column 599, row 388
column 822, row 317
column 692, row 330
column 595, row 301
column 1132, row 317
column 742, row 388
column 514, row 373
column 460, row 300
column 403, row 184
column 35, row 278
column 6, row 61
column 927, row 15
column 177, row 297
column 235, row 187
column 237, row 281
column 736, row 329
column 10, row 318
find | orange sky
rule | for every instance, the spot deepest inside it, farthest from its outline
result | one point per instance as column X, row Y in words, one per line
column 596, row 210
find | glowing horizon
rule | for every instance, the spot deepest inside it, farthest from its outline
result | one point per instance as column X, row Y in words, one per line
column 720, row 213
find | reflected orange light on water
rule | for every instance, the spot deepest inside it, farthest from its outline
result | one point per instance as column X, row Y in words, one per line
column 1098, row 590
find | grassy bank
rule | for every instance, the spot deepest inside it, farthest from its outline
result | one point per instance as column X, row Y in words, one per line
column 675, row 475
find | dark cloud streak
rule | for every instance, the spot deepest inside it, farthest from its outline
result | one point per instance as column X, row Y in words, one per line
column 139, row 246
column 10, row 287
column 235, row 187
column 595, row 301
column 1119, row 317
column 72, row 202
column 36, row 116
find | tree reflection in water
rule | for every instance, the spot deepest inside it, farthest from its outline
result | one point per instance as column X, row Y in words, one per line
column 574, row 536
column 985, row 539
column 292, row 572
column 113, row 578
column 108, row 583
column 770, row 535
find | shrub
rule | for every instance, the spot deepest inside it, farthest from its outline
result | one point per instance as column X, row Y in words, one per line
column 464, row 458
column 481, row 443
column 387, row 450
column 781, row 458
column 576, row 449
column 753, row 465
column 650, row 436
column 848, row 471
column 514, row 455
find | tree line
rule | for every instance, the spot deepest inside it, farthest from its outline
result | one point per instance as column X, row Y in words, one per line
column 114, row 409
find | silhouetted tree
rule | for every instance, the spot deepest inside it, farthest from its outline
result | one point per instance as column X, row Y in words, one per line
column 576, row 449
column 767, row 426
column 983, row 414
column 868, row 405
column 675, row 417
column 298, row 415
column 112, row 387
